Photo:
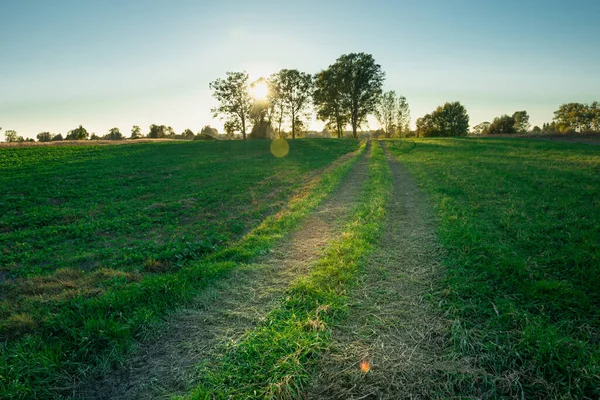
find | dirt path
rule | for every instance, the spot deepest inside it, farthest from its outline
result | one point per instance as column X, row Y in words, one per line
column 227, row 310
column 391, row 326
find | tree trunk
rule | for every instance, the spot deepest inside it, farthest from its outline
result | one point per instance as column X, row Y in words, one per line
column 293, row 125
column 244, row 128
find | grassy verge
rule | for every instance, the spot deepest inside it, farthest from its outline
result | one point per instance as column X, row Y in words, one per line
column 275, row 359
column 520, row 222
column 90, row 333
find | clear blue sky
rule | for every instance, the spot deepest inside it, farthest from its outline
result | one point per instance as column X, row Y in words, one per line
column 105, row 63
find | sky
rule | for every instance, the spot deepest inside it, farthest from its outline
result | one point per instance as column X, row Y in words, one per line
column 119, row 63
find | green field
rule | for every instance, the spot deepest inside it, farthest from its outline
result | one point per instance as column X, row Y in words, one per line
column 521, row 223
column 99, row 243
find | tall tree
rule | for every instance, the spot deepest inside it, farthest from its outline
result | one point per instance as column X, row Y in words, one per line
column 402, row 116
column 328, row 97
column 361, row 83
column 521, row 119
column 295, row 90
column 276, row 111
column 260, row 114
column 386, row 110
column 233, row 94
column 393, row 113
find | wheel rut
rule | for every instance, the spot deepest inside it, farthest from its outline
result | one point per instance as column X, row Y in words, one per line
column 392, row 331
column 228, row 309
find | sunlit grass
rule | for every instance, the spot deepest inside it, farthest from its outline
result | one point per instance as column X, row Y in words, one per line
column 519, row 220
column 58, row 327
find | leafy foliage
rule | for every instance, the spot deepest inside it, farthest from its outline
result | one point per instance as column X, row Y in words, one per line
column 235, row 102
column 294, row 91
column 448, row 120
column 79, row 133
column 578, row 117
column 361, row 82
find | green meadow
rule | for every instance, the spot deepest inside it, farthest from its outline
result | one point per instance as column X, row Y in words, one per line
column 98, row 244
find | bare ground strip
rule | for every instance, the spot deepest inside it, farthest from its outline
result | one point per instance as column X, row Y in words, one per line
column 233, row 306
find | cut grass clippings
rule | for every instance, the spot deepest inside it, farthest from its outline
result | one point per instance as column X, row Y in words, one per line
column 90, row 334
column 275, row 359
column 520, row 222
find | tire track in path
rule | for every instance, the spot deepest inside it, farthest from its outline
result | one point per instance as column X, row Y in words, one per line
column 392, row 332
column 229, row 308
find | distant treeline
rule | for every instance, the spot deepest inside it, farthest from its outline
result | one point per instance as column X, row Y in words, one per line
column 569, row 118
column 342, row 96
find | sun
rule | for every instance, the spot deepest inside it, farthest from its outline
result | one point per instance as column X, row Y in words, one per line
column 260, row 90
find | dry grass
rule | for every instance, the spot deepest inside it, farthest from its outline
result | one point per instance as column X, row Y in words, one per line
column 85, row 142
column 394, row 343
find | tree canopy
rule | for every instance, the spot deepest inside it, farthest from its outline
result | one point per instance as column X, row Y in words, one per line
column 235, row 102
column 451, row 119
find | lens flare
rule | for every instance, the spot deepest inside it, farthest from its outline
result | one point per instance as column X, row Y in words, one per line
column 280, row 148
column 364, row 366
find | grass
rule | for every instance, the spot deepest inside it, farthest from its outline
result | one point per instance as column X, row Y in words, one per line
column 520, row 222
column 276, row 358
column 60, row 322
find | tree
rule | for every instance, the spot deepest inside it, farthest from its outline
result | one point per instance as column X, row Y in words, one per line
column 44, row 136
column 402, row 117
column 170, row 132
column 536, row 129
column 58, row 138
column 210, row 131
column 158, row 131
column 188, row 134
column 482, row 129
column 233, row 94
column 595, row 116
column 393, row 113
column 294, row 91
column 577, row 117
column 95, row 137
column 549, row 127
column 261, row 112
column 426, row 126
column 11, row 136
column 521, row 119
column 230, row 128
column 361, row 80
column 385, row 111
column 451, row 119
column 79, row 133
column 136, row 132
column 502, row 124
column 327, row 98
column 114, row 134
